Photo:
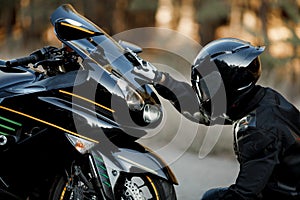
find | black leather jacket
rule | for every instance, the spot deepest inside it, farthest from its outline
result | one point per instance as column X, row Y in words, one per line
column 266, row 135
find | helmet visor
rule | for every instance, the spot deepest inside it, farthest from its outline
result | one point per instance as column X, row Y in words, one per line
column 206, row 87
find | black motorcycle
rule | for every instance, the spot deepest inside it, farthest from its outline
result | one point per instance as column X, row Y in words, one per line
column 70, row 118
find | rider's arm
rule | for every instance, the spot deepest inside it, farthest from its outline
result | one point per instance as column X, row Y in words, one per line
column 179, row 93
column 182, row 97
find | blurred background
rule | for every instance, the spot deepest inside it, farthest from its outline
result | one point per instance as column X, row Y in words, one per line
column 25, row 26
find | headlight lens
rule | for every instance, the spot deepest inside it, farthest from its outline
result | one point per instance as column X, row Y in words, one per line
column 133, row 99
column 151, row 113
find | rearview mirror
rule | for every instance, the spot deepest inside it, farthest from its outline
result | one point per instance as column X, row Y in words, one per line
column 68, row 29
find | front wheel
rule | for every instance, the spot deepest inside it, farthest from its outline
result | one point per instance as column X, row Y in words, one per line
column 144, row 187
column 128, row 187
column 64, row 189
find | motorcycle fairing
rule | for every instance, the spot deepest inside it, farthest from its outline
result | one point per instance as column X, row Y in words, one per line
column 14, row 77
column 138, row 160
column 70, row 79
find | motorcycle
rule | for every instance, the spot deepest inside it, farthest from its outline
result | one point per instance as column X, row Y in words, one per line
column 70, row 118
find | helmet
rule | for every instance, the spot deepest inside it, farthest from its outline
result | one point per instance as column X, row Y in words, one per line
column 223, row 72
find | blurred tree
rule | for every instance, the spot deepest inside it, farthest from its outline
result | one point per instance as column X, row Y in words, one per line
column 8, row 16
column 34, row 17
column 177, row 4
column 290, row 14
column 210, row 15
column 263, row 11
column 131, row 14
column 101, row 13
column 141, row 13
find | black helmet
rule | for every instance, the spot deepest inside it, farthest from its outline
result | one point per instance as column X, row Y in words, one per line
column 224, row 71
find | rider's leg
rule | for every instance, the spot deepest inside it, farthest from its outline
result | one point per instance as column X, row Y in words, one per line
column 214, row 194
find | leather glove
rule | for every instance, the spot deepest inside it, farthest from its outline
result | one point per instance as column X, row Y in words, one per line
column 148, row 72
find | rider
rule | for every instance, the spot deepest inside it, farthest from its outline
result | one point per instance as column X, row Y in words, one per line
column 266, row 125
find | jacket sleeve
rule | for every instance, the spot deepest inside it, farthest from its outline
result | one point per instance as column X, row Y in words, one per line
column 182, row 97
column 258, row 153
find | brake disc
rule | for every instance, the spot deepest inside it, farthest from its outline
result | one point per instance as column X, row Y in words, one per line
column 132, row 191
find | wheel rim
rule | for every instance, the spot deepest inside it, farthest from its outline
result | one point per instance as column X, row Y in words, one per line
column 139, row 188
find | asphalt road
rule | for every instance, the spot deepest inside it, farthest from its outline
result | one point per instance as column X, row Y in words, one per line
column 196, row 175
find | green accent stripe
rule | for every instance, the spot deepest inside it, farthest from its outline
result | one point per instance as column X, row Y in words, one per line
column 106, row 183
column 2, row 133
column 103, row 168
column 11, row 121
column 104, row 175
column 7, row 127
column 99, row 159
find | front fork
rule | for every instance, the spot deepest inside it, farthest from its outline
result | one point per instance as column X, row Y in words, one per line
column 100, row 180
column 92, row 180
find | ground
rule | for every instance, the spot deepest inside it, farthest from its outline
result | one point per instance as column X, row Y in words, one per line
column 196, row 175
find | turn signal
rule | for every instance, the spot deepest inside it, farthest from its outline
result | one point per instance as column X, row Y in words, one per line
column 80, row 144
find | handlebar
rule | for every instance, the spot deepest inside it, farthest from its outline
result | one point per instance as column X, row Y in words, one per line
column 22, row 61
column 50, row 58
column 33, row 58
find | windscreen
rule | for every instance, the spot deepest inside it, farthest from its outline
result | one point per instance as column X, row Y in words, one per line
column 100, row 49
column 108, row 55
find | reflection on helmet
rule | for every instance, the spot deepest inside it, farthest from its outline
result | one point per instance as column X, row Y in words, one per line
column 223, row 71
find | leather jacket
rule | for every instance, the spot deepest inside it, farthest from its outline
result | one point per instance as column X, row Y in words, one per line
column 266, row 140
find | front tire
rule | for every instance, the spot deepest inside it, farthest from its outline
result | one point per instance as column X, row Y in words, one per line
column 128, row 187
column 141, row 186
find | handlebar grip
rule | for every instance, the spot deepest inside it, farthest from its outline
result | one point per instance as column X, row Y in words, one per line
column 22, row 61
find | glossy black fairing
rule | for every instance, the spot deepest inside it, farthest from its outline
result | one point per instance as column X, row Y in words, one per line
column 11, row 77
column 86, row 103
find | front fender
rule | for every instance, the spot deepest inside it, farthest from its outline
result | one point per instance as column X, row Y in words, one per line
column 131, row 161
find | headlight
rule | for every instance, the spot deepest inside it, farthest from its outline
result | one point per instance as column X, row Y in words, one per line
column 80, row 144
column 151, row 113
column 133, row 99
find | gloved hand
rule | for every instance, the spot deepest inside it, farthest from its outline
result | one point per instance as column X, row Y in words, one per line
column 148, row 72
